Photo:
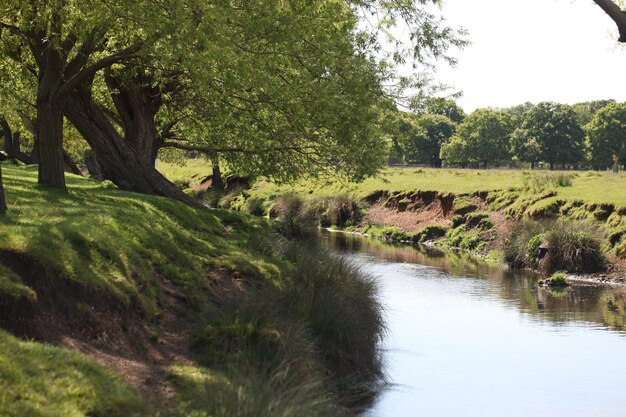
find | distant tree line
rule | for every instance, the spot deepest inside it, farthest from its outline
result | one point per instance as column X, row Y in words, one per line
column 589, row 135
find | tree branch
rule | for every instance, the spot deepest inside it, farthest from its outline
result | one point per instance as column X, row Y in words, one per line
column 615, row 13
column 91, row 70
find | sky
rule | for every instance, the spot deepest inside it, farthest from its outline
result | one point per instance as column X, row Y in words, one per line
column 534, row 50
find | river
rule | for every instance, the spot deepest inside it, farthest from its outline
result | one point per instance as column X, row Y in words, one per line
column 465, row 339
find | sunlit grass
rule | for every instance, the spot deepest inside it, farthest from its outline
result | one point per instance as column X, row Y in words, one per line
column 591, row 186
column 113, row 240
column 42, row 381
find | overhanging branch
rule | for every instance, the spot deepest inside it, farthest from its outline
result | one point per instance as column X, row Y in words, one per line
column 615, row 12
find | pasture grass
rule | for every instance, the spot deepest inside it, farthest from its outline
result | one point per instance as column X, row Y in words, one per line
column 587, row 186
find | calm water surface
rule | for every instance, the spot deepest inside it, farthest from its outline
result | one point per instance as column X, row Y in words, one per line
column 467, row 340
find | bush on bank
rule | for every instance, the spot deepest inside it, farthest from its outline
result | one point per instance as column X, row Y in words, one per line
column 572, row 246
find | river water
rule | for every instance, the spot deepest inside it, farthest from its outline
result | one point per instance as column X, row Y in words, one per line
column 468, row 340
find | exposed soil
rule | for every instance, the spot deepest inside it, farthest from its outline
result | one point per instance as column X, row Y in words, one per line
column 408, row 221
column 411, row 212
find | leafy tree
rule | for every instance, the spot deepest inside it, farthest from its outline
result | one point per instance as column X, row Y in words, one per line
column 426, row 147
column 63, row 43
column 586, row 110
column 549, row 132
column 283, row 89
column 442, row 106
column 482, row 138
column 606, row 135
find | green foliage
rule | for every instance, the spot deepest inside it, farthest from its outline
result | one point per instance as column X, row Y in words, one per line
column 467, row 239
column 541, row 182
column 606, row 136
column 439, row 106
column 533, row 247
column 255, row 206
column 40, row 380
column 573, row 246
column 292, row 216
column 342, row 210
column 549, row 132
column 521, row 247
column 482, row 138
column 557, row 280
column 428, row 233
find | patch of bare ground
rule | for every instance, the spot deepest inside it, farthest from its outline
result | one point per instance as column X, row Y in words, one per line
column 408, row 221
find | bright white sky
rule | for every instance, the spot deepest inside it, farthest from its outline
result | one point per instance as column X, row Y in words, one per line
column 534, row 50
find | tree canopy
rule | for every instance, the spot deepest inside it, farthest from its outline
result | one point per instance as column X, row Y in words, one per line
column 482, row 138
column 550, row 132
column 606, row 135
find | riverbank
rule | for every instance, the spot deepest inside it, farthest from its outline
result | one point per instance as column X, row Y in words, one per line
column 115, row 303
column 473, row 210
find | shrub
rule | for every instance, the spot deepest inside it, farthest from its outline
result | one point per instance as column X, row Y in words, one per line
column 533, row 247
column 540, row 182
column 292, row 217
column 255, row 206
column 516, row 249
column 573, row 247
column 343, row 210
column 430, row 232
column 558, row 280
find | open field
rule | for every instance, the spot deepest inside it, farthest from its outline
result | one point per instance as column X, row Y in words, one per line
column 588, row 186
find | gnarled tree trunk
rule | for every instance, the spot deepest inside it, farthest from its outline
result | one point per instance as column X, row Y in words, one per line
column 3, row 202
column 12, row 142
column 120, row 161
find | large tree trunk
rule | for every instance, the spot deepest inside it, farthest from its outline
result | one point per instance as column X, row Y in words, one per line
column 50, row 135
column 49, row 123
column 3, row 202
column 217, row 182
column 119, row 161
column 137, row 103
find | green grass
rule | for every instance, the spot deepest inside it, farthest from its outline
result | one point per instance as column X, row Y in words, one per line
column 97, row 236
column 42, row 381
column 594, row 187
column 282, row 330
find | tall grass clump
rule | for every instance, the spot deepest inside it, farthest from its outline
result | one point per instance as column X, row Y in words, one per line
column 343, row 210
column 541, row 182
column 573, row 246
column 517, row 252
column 339, row 306
column 314, row 335
column 293, row 218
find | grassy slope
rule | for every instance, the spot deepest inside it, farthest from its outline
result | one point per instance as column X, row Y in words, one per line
column 132, row 249
column 115, row 243
column 60, row 230
column 39, row 380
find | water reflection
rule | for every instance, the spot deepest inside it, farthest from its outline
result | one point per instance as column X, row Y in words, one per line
column 466, row 339
column 582, row 302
